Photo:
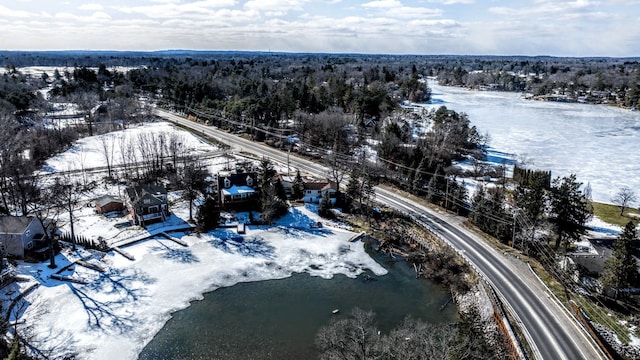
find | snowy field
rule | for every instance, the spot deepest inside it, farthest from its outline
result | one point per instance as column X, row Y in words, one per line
column 598, row 143
column 113, row 314
column 123, row 147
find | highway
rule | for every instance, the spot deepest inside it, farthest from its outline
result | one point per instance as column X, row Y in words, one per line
column 551, row 331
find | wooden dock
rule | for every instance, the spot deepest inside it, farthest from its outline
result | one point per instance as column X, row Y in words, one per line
column 174, row 239
column 123, row 253
column 89, row 265
column 68, row 278
column 357, row 237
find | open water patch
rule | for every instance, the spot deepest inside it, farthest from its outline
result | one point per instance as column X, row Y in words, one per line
column 278, row 319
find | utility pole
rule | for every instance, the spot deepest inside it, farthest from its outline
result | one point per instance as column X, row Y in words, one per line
column 446, row 195
column 513, row 232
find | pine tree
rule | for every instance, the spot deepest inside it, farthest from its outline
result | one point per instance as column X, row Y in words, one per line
column 208, row 214
column 297, row 188
column 437, row 186
column 325, row 206
column 459, row 198
column 621, row 270
column 479, row 208
column 570, row 210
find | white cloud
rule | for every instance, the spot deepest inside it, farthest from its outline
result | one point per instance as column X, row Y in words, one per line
column 91, row 7
column 412, row 12
column 562, row 27
column 173, row 9
column 5, row 11
column 382, row 4
column 274, row 5
column 452, row 2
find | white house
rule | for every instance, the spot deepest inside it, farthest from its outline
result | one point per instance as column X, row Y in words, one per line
column 315, row 190
column 20, row 234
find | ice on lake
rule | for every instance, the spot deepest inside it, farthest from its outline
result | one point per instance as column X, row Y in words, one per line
column 598, row 143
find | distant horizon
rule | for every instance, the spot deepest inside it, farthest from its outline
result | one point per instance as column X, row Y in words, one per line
column 556, row 28
column 212, row 51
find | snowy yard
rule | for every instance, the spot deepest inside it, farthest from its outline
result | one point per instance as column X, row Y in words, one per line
column 114, row 306
column 115, row 313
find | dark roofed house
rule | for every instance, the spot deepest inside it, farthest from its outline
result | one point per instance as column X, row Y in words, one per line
column 236, row 189
column 147, row 203
column 109, row 203
column 20, row 234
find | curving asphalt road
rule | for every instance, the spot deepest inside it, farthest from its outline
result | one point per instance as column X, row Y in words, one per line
column 551, row 331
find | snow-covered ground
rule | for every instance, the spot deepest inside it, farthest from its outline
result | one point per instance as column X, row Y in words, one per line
column 123, row 146
column 115, row 313
column 596, row 142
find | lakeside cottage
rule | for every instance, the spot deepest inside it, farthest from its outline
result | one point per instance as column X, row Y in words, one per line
column 147, row 203
column 236, row 189
column 20, row 235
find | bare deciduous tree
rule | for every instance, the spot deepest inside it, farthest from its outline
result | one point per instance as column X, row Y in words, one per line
column 193, row 180
column 624, row 198
column 107, row 145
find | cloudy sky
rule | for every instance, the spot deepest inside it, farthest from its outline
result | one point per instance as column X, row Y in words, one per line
column 500, row 27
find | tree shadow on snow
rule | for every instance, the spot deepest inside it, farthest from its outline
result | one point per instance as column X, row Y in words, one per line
column 108, row 300
column 182, row 255
column 298, row 224
column 253, row 247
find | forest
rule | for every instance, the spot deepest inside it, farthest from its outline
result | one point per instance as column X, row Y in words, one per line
column 332, row 108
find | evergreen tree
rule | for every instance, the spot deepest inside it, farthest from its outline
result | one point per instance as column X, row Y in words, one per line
column 267, row 172
column 437, row 186
column 325, row 206
column 621, row 270
column 499, row 218
column 570, row 210
column 458, row 197
column 354, row 192
column 353, row 186
column 479, row 207
column 531, row 195
column 193, row 181
column 208, row 214
column 419, row 176
column 280, row 192
column 297, row 188
column 488, row 213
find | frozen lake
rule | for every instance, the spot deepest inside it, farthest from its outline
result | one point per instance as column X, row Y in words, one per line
column 599, row 143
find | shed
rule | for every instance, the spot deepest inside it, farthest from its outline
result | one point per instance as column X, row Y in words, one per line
column 108, row 203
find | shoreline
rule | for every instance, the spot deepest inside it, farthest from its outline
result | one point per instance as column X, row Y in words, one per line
column 118, row 312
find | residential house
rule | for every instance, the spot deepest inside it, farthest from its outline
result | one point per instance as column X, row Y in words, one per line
column 20, row 235
column 147, row 203
column 314, row 190
column 286, row 181
column 236, row 188
column 590, row 260
column 109, row 203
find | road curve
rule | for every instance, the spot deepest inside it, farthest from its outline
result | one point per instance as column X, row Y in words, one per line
column 553, row 334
